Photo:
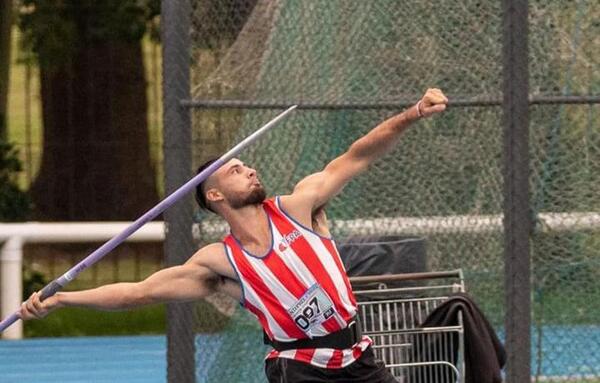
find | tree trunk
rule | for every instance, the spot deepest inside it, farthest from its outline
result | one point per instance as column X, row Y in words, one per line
column 96, row 160
column 5, row 33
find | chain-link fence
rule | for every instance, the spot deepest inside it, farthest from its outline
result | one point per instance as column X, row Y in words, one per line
column 351, row 64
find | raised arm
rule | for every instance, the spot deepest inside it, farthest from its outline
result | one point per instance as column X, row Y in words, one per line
column 315, row 190
column 188, row 282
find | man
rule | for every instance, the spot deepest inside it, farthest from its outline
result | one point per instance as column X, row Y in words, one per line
column 278, row 261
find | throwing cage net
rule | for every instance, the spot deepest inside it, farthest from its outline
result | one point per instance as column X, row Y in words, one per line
column 352, row 64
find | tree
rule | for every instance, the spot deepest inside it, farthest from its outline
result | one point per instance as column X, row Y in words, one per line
column 14, row 203
column 96, row 159
column 5, row 34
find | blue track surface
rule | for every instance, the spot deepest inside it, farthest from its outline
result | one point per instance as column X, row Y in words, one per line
column 567, row 350
column 88, row 359
column 225, row 359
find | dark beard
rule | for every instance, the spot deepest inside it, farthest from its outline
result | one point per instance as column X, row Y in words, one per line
column 257, row 196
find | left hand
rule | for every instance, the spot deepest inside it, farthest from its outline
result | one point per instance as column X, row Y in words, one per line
column 434, row 101
column 34, row 308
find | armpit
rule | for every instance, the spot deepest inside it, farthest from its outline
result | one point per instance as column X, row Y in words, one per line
column 319, row 222
column 213, row 283
column 230, row 287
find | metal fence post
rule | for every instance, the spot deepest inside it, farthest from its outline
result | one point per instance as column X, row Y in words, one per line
column 11, row 283
column 517, row 216
column 175, row 29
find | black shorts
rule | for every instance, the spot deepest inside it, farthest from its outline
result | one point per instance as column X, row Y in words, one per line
column 363, row 370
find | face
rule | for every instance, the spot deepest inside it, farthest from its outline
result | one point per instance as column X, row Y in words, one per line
column 238, row 184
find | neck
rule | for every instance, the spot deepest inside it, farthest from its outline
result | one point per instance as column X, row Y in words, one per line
column 249, row 224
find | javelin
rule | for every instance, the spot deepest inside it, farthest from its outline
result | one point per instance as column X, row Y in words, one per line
column 56, row 285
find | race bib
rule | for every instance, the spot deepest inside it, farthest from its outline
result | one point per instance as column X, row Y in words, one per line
column 312, row 309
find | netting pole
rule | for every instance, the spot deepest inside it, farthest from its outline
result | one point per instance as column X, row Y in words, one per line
column 517, row 209
column 179, row 246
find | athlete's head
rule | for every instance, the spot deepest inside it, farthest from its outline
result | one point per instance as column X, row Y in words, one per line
column 233, row 185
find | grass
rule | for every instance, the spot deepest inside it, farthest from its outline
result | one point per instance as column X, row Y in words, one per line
column 86, row 322
column 46, row 262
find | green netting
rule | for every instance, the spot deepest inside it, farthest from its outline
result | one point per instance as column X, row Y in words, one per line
column 448, row 169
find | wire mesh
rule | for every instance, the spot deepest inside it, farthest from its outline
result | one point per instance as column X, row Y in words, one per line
column 393, row 316
column 448, row 169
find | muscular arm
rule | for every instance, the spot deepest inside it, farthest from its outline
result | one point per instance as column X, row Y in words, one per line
column 315, row 190
column 191, row 281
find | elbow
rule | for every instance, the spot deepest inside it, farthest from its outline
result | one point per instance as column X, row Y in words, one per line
column 355, row 150
column 137, row 296
column 360, row 156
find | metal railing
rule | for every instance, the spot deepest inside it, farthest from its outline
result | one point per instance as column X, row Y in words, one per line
column 15, row 235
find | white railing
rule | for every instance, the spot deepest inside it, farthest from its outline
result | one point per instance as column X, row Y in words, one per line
column 473, row 224
column 15, row 235
column 452, row 224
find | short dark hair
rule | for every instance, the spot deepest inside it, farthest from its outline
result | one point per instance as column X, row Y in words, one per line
column 200, row 192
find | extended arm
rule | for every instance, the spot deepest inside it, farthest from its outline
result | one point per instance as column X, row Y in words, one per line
column 315, row 190
column 187, row 282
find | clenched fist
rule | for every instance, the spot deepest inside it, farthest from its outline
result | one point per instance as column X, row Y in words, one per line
column 432, row 102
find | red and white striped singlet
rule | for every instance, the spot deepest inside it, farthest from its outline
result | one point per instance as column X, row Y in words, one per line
column 299, row 289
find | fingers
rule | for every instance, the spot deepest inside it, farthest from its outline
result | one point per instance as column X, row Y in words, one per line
column 434, row 96
column 33, row 308
column 24, row 312
column 437, row 108
column 434, row 101
column 28, row 309
column 37, row 304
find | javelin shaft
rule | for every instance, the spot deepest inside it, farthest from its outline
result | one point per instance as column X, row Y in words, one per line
column 56, row 285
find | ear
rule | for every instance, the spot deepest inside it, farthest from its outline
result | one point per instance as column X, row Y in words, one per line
column 213, row 195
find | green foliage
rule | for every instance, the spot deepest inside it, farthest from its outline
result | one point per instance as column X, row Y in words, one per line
column 33, row 281
column 85, row 322
column 54, row 29
column 14, row 203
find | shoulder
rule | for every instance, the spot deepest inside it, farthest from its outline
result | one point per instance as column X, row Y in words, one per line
column 208, row 253
column 297, row 208
column 215, row 247
column 305, row 194
column 287, row 202
column 214, row 258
